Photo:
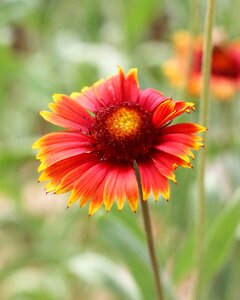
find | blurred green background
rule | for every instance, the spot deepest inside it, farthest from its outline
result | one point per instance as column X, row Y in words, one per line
column 50, row 253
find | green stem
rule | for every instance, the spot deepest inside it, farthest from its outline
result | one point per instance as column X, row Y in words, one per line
column 203, row 120
column 148, row 230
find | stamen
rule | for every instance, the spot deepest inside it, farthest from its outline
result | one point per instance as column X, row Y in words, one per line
column 123, row 123
column 122, row 132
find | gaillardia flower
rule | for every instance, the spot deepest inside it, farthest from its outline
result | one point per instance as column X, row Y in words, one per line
column 225, row 69
column 108, row 127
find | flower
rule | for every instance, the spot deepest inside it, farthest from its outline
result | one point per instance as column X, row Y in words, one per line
column 109, row 126
column 225, row 69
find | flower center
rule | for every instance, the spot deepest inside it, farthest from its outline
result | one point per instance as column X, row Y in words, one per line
column 122, row 132
column 123, row 123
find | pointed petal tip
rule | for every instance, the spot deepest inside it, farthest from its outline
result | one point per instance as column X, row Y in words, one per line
column 166, row 194
column 75, row 95
column 36, row 145
column 201, row 128
column 45, row 114
column 71, row 201
column 93, row 207
column 57, row 97
column 41, row 168
column 120, row 69
column 133, row 205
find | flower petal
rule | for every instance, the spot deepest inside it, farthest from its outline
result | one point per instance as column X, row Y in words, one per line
column 88, row 186
column 176, row 149
column 177, row 139
column 149, row 99
column 121, row 184
column 167, row 164
column 152, row 178
column 110, row 192
column 186, row 128
column 191, row 141
column 61, row 145
column 180, row 149
column 115, row 89
column 168, row 110
column 70, row 179
column 67, row 113
column 56, row 172
column 131, row 188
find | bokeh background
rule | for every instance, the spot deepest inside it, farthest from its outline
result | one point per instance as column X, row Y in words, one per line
column 50, row 253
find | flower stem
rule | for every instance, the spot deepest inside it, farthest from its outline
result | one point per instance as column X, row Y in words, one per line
column 203, row 120
column 148, row 230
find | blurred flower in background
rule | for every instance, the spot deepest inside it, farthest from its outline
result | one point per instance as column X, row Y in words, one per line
column 225, row 71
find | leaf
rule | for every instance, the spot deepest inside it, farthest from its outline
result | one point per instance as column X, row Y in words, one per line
column 99, row 270
column 218, row 243
column 119, row 236
column 184, row 260
column 220, row 237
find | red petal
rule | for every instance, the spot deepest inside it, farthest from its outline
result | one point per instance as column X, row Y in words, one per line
column 168, row 110
column 61, row 145
column 165, row 165
column 131, row 188
column 121, row 184
column 189, row 141
column 57, row 171
column 67, row 113
column 115, row 89
column 70, row 179
column 88, row 186
column 149, row 99
column 176, row 149
column 169, row 160
column 110, row 191
column 151, row 177
column 186, row 128
column 179, row 138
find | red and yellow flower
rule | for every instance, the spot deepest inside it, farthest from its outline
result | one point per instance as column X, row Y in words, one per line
column 108, row 127
column 225, row 69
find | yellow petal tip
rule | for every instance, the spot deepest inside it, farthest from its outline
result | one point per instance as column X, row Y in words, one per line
column 57, row 97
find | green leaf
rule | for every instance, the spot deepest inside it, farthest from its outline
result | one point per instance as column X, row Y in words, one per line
column 221, row 236
column 119, row 236
column 184, row 260
column 99, row 270
column 218, row 244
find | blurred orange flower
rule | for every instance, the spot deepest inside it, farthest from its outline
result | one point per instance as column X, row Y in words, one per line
column 109, row 126
column 225, row 69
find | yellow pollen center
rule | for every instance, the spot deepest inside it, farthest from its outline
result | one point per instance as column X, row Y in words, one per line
column 123, row 123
